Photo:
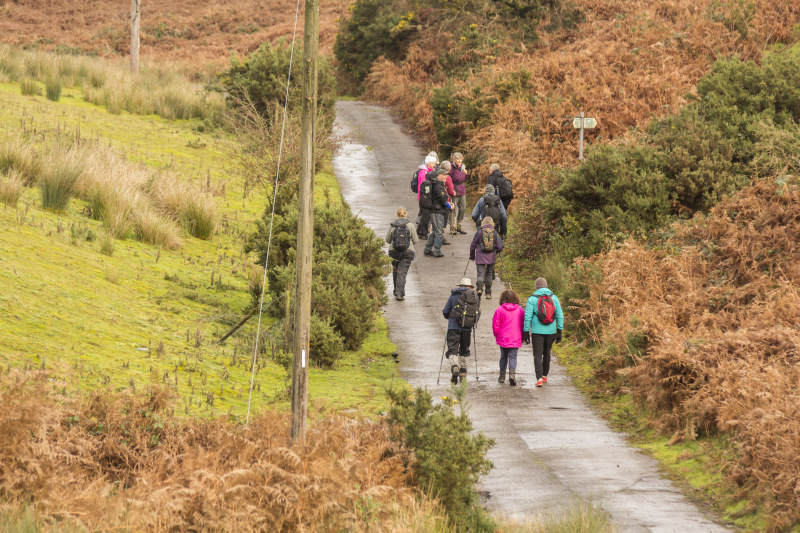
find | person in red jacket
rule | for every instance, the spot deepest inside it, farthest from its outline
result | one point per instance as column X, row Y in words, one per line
column 507, row 324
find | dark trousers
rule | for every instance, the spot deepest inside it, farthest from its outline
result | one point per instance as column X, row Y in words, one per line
column 485, row 277
column 458, row 344
column 423, row 220
column 400, row 265
column 508, row 359
column 542, row 344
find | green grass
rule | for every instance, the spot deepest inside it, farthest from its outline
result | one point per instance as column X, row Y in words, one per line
column 106, row 316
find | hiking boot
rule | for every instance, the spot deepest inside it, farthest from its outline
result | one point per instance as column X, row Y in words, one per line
column 399, row 298
column 539, row 383
column 463, row 374
column 437, row 253
column 461, row 231
column 512, row 379
column 502, row 378
column 488, row 296
column 427, row 252
column 454, row 376
column 445, row 242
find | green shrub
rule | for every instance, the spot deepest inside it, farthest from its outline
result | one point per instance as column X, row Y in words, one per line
column 325, row 344
column 450, row 459
column 10, row 188
column 261, row 79
column 29, row 87
column 53, row 88
column 375, row 28
column 349, row 264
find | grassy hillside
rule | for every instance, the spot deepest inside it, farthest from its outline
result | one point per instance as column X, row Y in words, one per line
column 144, row 315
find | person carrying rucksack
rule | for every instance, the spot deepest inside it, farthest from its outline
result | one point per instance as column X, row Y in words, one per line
column 507, row 324
column 462, row 312
column 502, row 185
column 429, row 165
column 402, row 236
column 490, row 205
column 434, row 199
column 544, row 322
column 458, row 173
column 486, row 244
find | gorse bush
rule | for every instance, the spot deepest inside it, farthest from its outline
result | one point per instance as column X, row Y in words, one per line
column 349, row 264
column 261, row 79
column 449, row 458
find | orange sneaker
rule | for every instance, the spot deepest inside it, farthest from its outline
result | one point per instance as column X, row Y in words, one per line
column 539, row 383
column 544, row 379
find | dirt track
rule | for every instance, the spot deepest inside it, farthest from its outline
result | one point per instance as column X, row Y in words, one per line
column 552, row 449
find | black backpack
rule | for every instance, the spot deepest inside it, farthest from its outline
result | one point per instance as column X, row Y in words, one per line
column 466, row 310
column 402, row 237
column 504, row 188
column 492, row 209
column 415, row 181
column 487, row 240
column 425, row 193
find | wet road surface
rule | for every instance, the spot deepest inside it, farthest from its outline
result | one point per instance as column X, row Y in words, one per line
column 551, row 449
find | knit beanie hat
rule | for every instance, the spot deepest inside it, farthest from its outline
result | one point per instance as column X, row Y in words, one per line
column 489, row 189
column 540, row 283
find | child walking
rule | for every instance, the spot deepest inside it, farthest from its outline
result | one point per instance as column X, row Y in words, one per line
column 507, row 324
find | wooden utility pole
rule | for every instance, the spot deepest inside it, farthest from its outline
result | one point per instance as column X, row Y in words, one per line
column 135, row 12
column 305, row 226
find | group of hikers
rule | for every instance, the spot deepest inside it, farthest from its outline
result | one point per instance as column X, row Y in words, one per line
column 441, row 196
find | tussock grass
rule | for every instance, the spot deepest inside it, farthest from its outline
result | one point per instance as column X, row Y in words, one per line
column 155, row 90
column 154, row 228
column 194, row 209
column 53, row 89
column 10, row 188
column 29, row 87
column 579, row 517
column 18, row 154
column 106, row 243
column 57, row 182
column 114, row 205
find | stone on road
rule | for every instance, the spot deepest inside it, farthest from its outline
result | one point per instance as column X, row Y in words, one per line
column 552, row 449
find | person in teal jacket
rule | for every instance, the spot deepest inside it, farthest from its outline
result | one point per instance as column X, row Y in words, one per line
column 542, row 335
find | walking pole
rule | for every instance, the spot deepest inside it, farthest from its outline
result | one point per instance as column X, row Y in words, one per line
column 453, row 232
column 508, row 279
column 465, row 268
column 475, row 346
column 442, row 361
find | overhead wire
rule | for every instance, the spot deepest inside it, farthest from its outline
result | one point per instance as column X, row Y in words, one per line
column 272, row 218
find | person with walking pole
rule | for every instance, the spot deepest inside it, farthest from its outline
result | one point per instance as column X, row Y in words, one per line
column 544, row 321
column 462, row 312
column 484, row 249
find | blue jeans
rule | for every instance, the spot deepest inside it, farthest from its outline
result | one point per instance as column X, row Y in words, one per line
column 508, row 356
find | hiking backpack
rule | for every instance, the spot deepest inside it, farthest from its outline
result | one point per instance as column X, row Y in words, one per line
column 402, row 238
column 492, row 209
column 425, row 190
column 504, row 188
column 487, row 240
column 546, row 310
column 415, row 181
column 466, row 310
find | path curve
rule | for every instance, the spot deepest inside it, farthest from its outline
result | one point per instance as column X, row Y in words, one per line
column 551, row 447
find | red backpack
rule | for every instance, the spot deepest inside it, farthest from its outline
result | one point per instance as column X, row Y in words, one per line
column 546, row 310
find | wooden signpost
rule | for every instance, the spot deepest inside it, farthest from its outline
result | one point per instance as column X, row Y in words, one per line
column 583, row 123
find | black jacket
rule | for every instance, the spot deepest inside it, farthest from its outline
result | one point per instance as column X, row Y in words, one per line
column 494, row 180
column 439, row 197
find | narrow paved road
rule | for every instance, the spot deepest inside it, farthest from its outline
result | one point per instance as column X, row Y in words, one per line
column 552, row 449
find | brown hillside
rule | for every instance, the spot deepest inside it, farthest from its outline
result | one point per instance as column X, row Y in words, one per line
column 201, row 32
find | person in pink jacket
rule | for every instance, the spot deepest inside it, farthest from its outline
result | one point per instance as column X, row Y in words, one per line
column 507, row 324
